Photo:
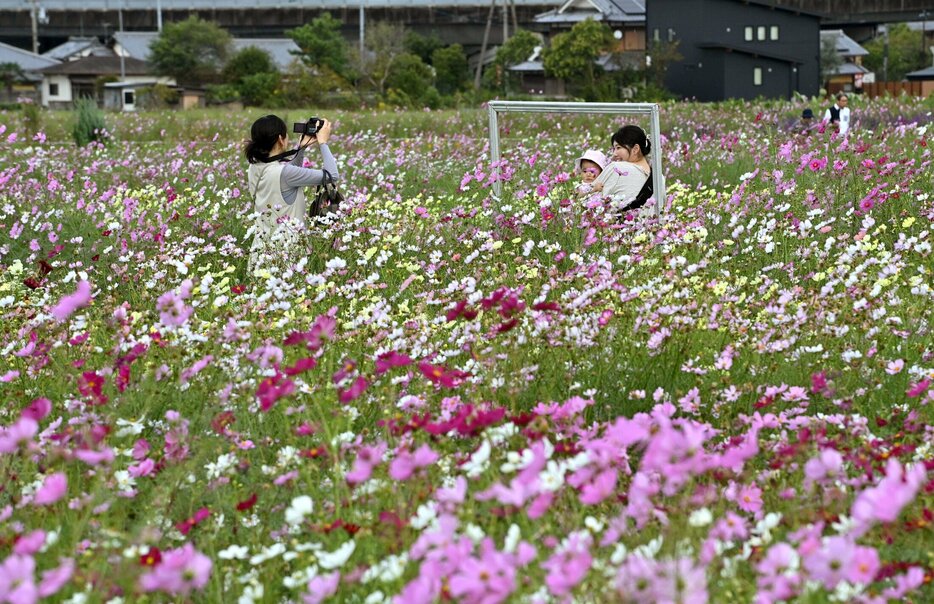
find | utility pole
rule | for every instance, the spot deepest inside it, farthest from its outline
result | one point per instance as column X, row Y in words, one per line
column 486, row 38
column 362, row 31
column 159, row 15
column 122, row 59
column 35, row 26
column 885, row 55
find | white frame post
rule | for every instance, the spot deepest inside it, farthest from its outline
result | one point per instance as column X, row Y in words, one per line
column 650, row 109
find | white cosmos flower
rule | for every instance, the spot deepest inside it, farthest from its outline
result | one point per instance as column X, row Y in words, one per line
column 701, row 517
column 234, row 552
column 301, row 506
column 337, row 558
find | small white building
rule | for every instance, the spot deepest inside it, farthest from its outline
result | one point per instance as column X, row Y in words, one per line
column 66, row 82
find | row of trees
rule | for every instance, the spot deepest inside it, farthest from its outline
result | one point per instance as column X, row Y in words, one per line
column 396, row 66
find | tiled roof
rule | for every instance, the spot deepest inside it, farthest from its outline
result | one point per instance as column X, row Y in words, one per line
column 846, row 46
column 75, row 46
column 613, row 11
column 922, row 74
column 97, row 66
column 137, row 45
column 28, row 61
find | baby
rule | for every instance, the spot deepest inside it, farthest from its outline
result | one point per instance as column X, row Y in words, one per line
column 589, row 166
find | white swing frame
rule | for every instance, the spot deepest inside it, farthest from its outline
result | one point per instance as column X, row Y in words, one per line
column 641, row 109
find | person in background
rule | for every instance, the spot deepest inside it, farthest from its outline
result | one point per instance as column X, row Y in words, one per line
column 626, row 181
column 807, row 120
column 839, row 114
column 277, row 186
column 589, row 166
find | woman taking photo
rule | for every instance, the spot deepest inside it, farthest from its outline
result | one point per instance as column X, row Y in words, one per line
column 277, row 187
column 627, row 180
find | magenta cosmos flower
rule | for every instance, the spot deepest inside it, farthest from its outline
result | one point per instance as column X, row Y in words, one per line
column 181, row 571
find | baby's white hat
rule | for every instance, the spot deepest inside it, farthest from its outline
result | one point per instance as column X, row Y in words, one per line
column 593, row 155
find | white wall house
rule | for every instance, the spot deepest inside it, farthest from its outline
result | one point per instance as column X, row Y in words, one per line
column 64, row 83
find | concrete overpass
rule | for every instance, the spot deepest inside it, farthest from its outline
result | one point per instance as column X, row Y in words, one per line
column 460, row 21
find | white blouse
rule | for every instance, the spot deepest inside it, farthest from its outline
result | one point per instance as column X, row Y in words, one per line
column 622, row 181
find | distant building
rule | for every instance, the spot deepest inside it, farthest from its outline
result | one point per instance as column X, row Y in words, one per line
column 737, row 48
column 78, row 48
column 136, row 44
column 850, row 74
column 64, row 83
column 926, row 77
column 24, row 79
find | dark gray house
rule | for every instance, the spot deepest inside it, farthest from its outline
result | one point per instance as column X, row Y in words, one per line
column 737, row 48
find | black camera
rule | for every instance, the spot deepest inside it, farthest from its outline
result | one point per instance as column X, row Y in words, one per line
column 310, row 127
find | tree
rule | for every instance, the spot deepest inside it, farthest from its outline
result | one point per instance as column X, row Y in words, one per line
column 10, row 73
column 423, row 46
column 383, row 43
column 321, row 44
column 906, row 53
column 451, row 72
column 830, row 59
column 411, row 77
column 517, row 49
column 661, row 55
column 572, row 55
column 249, row 61
column 191, row 51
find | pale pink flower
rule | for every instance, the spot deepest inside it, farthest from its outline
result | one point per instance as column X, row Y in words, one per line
column 894, row 367
column 321, row 588
column 52, row 489
column 72, row 302
column 181, row 570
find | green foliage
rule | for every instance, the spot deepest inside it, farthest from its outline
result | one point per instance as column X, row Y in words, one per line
column 423, row 46
column 451, row 73
column 32, row 117
column 411, row 82
column 383, row 44
column 320, row 86
column 89, row 124
column 572, row 55
column 517, row 49
column 191, row 51
column 248, row 61
column 256, row 89
column 217, row 94
column 907, row 53
column 322, row 44
column 158, row 96
column 662, row 54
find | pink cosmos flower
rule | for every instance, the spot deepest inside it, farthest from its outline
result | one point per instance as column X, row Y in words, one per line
column 406, row 463
column 388, row 360
column 749, row 498
column 894, row 367
column 885, row 501
column 52, row 489
column 489, row 579
column 172, row 309
column 29, row 544
column 53, row 580
column 322, row 587
column 17, row 580
column 181, row 570
column 368, row 457
column 569, row 565
column 20, row 432
column 826, row 465
column 830, row 563
column 72, row 302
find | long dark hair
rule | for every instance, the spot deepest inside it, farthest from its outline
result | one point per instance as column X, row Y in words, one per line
column 629, row 136
column 263, row 137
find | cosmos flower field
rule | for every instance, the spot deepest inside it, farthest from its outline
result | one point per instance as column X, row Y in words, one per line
column 456, row 398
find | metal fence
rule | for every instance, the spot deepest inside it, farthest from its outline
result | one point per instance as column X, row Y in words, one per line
column 645, row 109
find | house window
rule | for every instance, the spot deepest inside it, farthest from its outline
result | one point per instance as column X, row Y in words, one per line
column 757, row 76
column 773, row 32
column 128, row 97
column 748, row 35
column 760, row 33
column 53, row 89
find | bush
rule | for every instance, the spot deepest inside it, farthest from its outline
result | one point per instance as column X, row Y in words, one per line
column 89, row 126
column 157, row 96
column 257, row 89
column 218, row 94
column 32, row 114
